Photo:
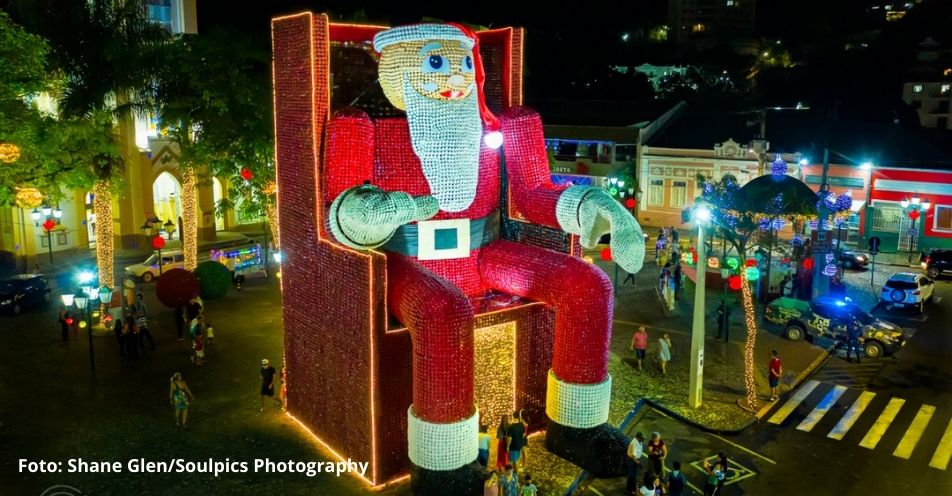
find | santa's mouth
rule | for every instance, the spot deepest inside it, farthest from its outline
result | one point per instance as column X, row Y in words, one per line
column 452, row 94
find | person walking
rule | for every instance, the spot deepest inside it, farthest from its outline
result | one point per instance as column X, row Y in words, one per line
column 677, row 278
column 635, row 454
column 267, row 383
column 629, row 277
column 524, row 456
column 775, row 370
column 65, row 320
column 142, row 323
column 516, row 434
column 528, row 488
column 657, row 452
column 509, row 482
column 179, row 397
column 664, row 352
column 853, row 333
column 674, row 482
column 710, row 478
column 639, row 343
column 502, row 453
column 179, row 322
column 483, row 457
column 128, row 292
column 722, row 474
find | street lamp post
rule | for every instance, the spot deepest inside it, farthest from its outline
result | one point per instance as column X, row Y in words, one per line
column 914, row 208
column 702, row 216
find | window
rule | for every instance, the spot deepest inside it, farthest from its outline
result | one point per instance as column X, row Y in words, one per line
column 943, row 217
column 945, row 88
column 917, row 88
column 886, row 217
column 656, row 192
column 679, row 193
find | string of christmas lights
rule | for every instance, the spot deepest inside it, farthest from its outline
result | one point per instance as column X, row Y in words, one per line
column 271, row 211
column 102, row 207
column 751, row 321
column 189, row 220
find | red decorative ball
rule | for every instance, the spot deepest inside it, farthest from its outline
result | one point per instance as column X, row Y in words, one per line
column 69, row 321
column 606, row 254
column 694, row 257
column 246, row 174
column 734, row 282
column 750, row 263
column 630, row 203
column 49, row 225
column 808, row 264
column 913, row 214
column 176, row 287
column 158, row 242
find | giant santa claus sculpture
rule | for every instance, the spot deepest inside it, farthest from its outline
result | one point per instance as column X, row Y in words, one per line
column 425, row 189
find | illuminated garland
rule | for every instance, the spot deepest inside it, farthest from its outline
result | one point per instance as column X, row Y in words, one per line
column 102, row 207
column 9, row 153
column 751, row 321
column 189, row 220
column 271, row 211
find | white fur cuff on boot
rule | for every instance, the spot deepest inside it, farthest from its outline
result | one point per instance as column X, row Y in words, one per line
column 442, row 446
column 578, row 405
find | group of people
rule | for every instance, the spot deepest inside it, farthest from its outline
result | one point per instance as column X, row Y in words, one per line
column 639, row 344
column 511, row 443
column 132, row 330
column 658, row 480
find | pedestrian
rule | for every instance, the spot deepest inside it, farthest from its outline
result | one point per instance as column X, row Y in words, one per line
column 528, row 488
column 130, row 335
column 710, row 479
column 675, row 236
column 639, row 343
column 483, row 456
column 491, row 485
column 664, row 352
column 678, row 277
column 853, row 333
column 664, row 276
column 629, row 277
column 65, row 320
column 652, row 486
column 509, row 482
column 179, row 397
column 195, row 324
column 524, row 458
column 128, row 292
column 267, row 383
column 635, row 454
column 198, row 344
column 674, row 482
column 516, row 434
column 141, row 307
column 775, row 369
column 179, row 322
column 786, row 287
column 657, row 452
column 722, row 474
column 120, row 337
column 502, row 453
column 142, row 323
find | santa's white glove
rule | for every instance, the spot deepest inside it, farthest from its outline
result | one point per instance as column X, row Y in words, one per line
column 591, row 212
column 366, row 217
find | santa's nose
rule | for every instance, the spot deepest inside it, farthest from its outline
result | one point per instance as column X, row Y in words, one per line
column 456, row 81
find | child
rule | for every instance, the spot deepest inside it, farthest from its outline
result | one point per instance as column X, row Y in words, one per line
column 199, row 345
column 491, row 486
column 483, row 446
column 528, row 488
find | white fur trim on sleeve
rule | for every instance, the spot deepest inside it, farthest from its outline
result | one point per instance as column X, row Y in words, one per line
column 578, row 405
column 442, row 446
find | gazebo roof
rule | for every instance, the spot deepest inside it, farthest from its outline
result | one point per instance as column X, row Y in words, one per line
column 776, row 195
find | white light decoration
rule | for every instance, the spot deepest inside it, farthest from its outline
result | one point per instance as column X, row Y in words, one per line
column 904, row 203
column 621, row 184
column 916, row 200
column 702, row 214
column 67, row 299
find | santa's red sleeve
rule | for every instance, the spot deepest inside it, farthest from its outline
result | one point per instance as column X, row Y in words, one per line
column 349, row 152
column 527, row 166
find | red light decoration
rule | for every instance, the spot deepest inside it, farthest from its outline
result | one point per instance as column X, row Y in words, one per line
column 246, row 174
column 69, row 321
column 808, row 264
column 750, row 263
column 158, row 242
column 49, row 225
column 913, row 214
column 693, row 257
column 606, row 254
column 630, row 203
column 734, row 282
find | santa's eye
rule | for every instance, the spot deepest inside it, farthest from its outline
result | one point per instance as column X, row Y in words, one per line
column 467, row 64
column 436, row 63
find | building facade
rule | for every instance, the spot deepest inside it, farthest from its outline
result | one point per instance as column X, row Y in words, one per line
column 931, row 99
column 889, row 221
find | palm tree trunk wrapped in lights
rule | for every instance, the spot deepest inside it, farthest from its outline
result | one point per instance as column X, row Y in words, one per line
column 271, row 211
column 102, row 207
column 189, row 219
column 751, row 322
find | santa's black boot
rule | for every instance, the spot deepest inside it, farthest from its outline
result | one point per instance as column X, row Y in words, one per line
column 600, row 450
column 577, row 429
column 464, row 481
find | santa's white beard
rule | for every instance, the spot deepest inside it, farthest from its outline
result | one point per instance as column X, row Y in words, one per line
column 445, row 136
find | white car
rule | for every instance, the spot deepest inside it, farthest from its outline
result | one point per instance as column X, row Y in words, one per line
column 907, row 289
column 149, row 268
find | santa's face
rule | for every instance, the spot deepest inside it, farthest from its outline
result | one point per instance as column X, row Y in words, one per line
column 441, row 70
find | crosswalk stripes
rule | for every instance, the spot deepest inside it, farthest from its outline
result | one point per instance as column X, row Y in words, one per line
column 907, row 431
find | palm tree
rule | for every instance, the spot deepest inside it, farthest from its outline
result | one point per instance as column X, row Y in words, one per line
column 102, row 49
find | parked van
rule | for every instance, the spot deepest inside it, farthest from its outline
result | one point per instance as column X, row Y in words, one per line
column 149, row 268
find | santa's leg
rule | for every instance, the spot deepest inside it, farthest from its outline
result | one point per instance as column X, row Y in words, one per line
column 442, row 422
column 579, row 387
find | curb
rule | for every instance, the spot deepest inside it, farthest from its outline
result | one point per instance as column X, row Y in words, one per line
column 677, row 416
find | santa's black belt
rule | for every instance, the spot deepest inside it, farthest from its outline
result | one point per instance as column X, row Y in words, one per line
column 444, row 239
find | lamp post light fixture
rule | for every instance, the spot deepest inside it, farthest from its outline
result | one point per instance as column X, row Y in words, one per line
column 47, row 210
column 169, row 228
column 702, row 217
column 58, row 214
column 35, row 215
column 81, row 300
column 67, row 299
column 914, row 207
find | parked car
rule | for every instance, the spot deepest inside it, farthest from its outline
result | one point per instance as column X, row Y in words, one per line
column 937, row 262
column 829, row 316
column 149, row 268
column 852, row 259
column 905, row 289
column 21, row 291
